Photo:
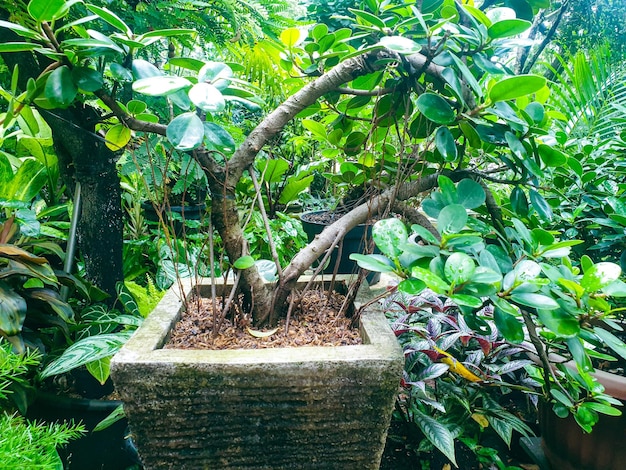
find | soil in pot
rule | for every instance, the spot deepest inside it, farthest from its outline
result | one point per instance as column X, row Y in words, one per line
column 354, row 242
column 317, row 321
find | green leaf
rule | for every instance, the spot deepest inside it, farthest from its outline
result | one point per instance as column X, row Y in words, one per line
column 168, row 33
column 435, row 108
column 510, row 327
column 207, row 97
column 272, row 170
column 100, row 369
column 87, row 79
column 367, row 18
column 160, row 85
column 60, row 89
column 136, row 107
column 551, row 156
column 519, row 203
column 244, row 262
column 599, row 276
column 12, row 310
column 293, row 188
column 22, row 31
column 538, row 301
column 411, row 286
column 92, row 348
column 611, row 341
column 508, row 28
column 217, row 74
column 375, row 263
column 46, row 10
column 470, row 193
column 559, row 322
column 116, row 415
column 390, row 235
column 433, row 281
column 466, row 300
column 218, row 138
column 459, row 268
column 425, row 234
column 317, row 128
column 18, row 47
column 514, row 87
column 144, row 69
column 540, row 205
column 448, row 193
column 186, row 131
column 400, row 44
column 452, row 219
column 446, row 144
column 117, row 137
column 29, row 179
column 436, row 433
column 111, row 18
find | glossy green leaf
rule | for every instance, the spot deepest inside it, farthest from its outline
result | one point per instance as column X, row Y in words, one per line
column 538, row 301
column 186, row 131
column 471, row 136
column 244, row 262
column 22, row 31
column 100, row 369
column 559, row 322
column 60, row 89
column 599, row 276
column 446, row 144
column 400, row 44
column 470, row 194
column 411, row 286
column 510, row 327
column 111, row 18
column 168, row 33
column 46, row 10
column 433, row 281
column 514, row 87
column 136, row 107
column 436, row 108
column 367, row 18
column 117, row 137
column 18, row 46
column 577, row 348
column 87, row 79
column 551, row 156
column 425, row 234
column 207, row 97
column 390, row 235
column 28, row 180
column 459, row 268
column 452, row 219
column 466, row 300
column 294, row 188
column 508, row 28
column 160, row 85
column 540, row 205
column 436, row 433
column 218, row 138
column 217, row 74
column 447, row 191
column 375, row 263
column 144, row 69
column 519, row 203
column 12, row 310
column 611, row 341
column 86, row 350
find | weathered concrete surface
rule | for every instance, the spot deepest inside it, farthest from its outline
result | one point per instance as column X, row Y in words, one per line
column 283, row 408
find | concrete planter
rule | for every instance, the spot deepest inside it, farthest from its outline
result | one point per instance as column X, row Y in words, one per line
column 309, row 407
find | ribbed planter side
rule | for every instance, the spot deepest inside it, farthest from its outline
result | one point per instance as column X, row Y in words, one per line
column 567, row 447
column 310, row 407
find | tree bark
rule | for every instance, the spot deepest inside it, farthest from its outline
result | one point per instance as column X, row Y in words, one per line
column 100, row 229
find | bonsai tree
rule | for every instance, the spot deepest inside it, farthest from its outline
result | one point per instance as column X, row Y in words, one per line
column 412, row 92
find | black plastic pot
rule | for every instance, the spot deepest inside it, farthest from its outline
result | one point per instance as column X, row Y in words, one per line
column 191, row 212
column 353, row 242
column 109, row 449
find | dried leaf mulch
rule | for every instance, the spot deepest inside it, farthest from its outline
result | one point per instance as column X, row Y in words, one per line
column 315, row 321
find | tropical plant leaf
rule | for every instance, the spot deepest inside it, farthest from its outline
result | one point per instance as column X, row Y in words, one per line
column 436, row 433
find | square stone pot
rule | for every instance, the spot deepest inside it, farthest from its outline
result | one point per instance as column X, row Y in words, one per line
column 281, row 408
